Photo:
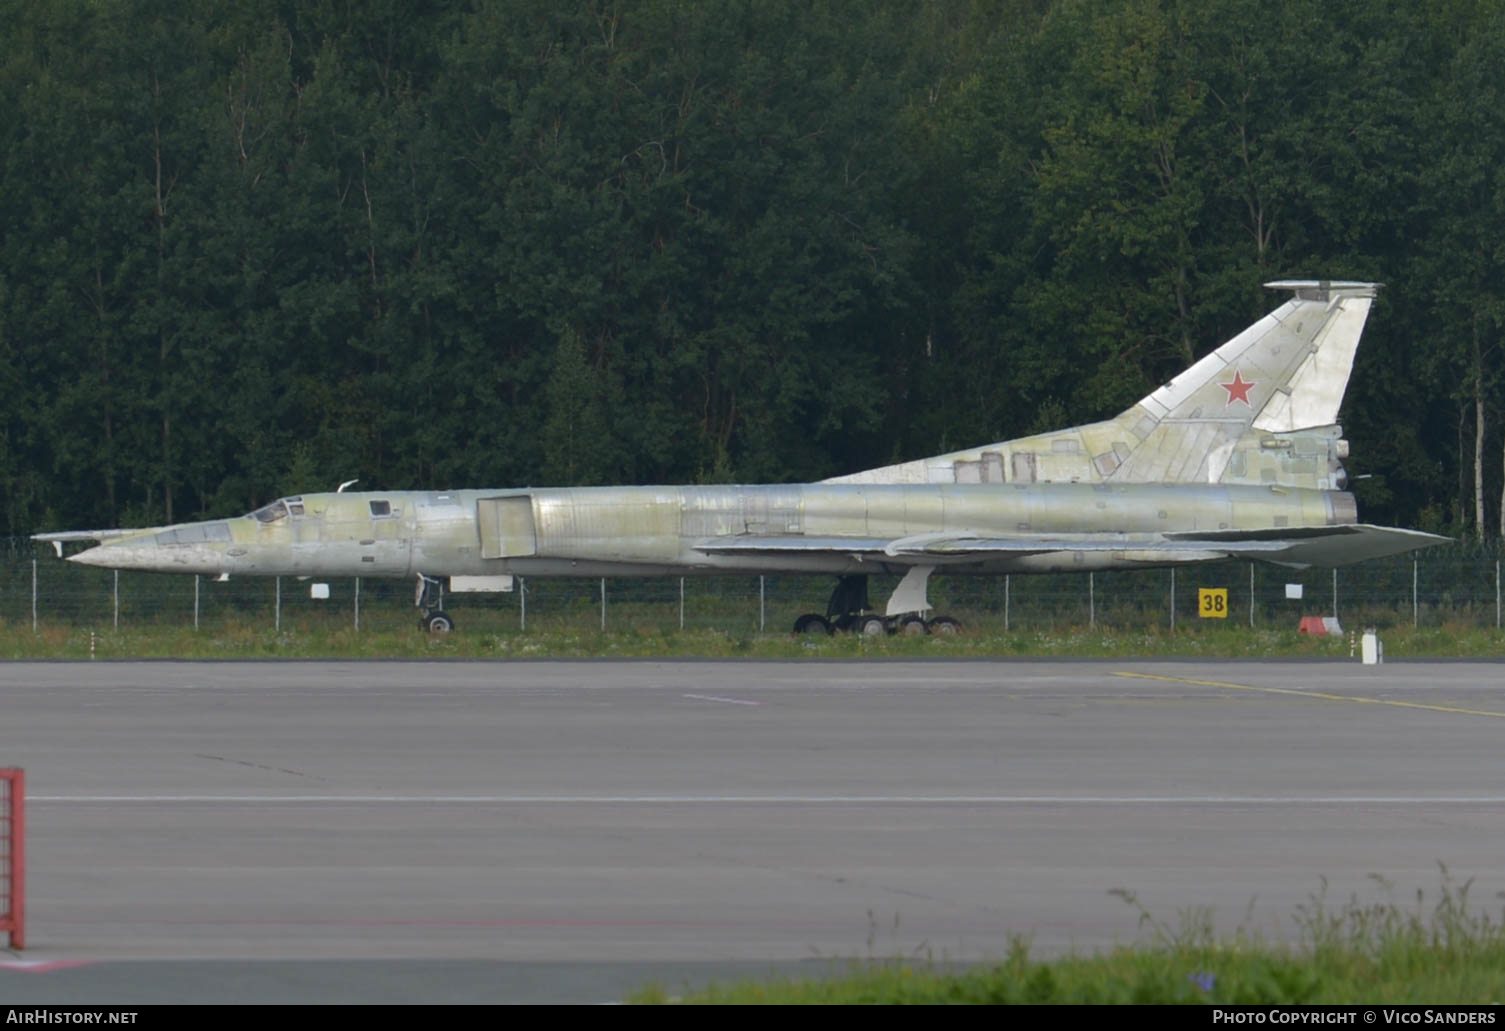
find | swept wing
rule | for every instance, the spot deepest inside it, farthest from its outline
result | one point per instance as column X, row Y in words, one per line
column 1292, row 546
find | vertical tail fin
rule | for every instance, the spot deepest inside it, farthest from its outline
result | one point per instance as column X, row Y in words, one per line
column 1261, row 408
column 1283, row 375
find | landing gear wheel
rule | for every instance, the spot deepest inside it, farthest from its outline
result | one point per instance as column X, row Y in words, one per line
column 913, row 626
column 437, row 623
column 810, row 623
column 871, row 626
column 944, row 626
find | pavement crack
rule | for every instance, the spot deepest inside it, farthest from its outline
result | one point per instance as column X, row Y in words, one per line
column 255, row 766
column 851, row 882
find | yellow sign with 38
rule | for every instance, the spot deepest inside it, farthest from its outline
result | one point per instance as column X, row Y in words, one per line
column 1212, row 602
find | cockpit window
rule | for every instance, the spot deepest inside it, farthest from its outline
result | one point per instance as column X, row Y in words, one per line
column 194, row 533
column 381, row 508
column 270, row 513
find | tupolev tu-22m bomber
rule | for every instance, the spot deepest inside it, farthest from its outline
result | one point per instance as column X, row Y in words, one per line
column 1238, row 457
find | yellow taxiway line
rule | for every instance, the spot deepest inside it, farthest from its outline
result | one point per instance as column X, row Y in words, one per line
column 1321, row 695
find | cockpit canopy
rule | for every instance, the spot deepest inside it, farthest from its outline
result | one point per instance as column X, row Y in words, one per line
column 279, row 509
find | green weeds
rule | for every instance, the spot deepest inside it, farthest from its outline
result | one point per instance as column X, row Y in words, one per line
column 1444, row 951
column 489, row 635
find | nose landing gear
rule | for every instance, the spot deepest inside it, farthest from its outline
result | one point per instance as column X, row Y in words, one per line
column 430, row 600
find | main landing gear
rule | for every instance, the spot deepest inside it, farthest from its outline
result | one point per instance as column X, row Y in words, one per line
column 848, row 610
column 430, row 600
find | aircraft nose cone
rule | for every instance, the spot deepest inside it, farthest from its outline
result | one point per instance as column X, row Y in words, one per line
column 111, row 556
column 89, row 556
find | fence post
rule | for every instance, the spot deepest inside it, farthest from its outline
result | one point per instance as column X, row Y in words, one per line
column 1173, row 597
column 522, row 602
column 681, row 603
column 277, row 605
column 603, row 604
column 195, row 601
column 1091, row 601
column 1497, row 594
column 13, row 856
column 1335, row 592
column 762, row 621
column 357, row 604
column 1251, row 595
column 1415, row 606
column 33, row 595
column 117, row 599
column 1005, row 602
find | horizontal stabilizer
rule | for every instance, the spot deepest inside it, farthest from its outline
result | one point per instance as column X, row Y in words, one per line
column 1315, row 545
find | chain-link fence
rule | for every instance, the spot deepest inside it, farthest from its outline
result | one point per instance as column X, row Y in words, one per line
column 1457, row 584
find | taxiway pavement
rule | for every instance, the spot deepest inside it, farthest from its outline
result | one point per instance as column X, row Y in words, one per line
column 645, row 817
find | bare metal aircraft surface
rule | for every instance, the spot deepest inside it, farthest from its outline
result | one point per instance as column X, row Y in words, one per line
column 1238, row 457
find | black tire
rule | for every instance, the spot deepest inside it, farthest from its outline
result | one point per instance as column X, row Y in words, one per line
column 913, row 626
column 944, row 626
column 438, row 623
column 870, row 626
column 811, row 623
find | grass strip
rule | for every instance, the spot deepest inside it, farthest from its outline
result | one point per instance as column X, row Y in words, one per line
column 1444, row 952
column 480, row 637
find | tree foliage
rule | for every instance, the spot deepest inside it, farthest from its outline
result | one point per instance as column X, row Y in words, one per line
column 254, row 247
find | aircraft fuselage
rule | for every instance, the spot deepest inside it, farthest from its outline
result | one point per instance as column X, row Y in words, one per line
column 651, row 531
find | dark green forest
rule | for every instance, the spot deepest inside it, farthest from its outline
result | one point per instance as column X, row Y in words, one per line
column 262, row 247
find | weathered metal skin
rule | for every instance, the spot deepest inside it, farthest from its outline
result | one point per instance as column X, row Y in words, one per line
column 1239, row 457
column 1260, row 409
column 656, row 530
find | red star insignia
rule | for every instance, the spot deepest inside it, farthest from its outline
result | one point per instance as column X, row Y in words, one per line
column 1238, row 390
